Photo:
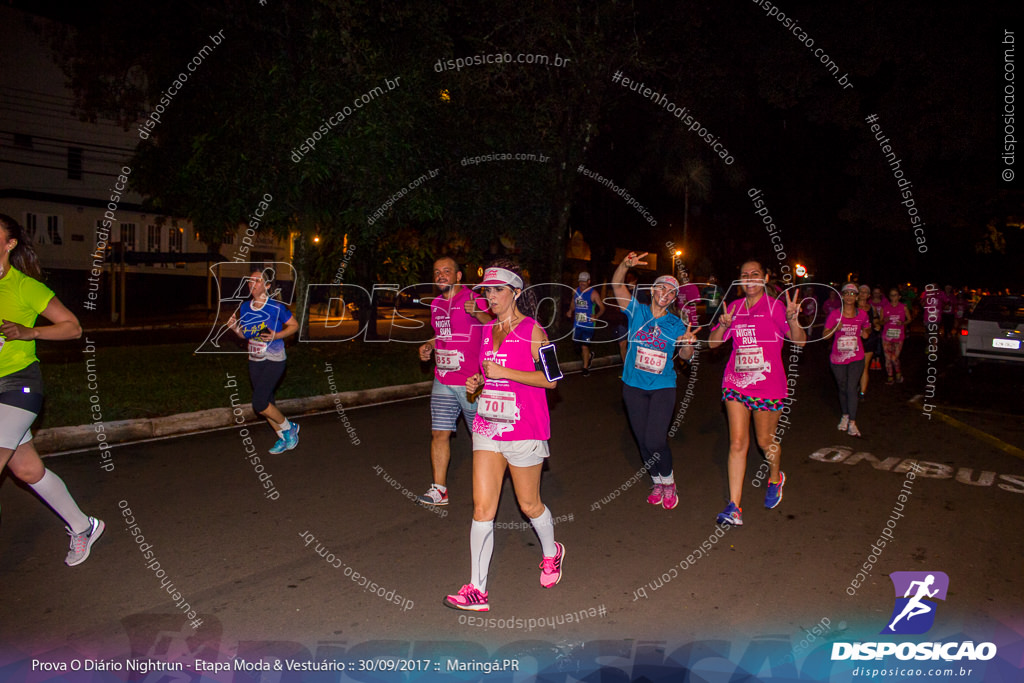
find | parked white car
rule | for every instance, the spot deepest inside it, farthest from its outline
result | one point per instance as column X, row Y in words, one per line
column 994, row 331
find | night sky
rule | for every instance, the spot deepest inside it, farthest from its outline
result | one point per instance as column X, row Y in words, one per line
column 932, row 74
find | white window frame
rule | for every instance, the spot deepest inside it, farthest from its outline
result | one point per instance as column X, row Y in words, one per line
column 127, row 228
column 31, row 225
column 54, row 229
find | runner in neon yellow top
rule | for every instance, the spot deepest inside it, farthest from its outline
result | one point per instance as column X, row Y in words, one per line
column 22, row 299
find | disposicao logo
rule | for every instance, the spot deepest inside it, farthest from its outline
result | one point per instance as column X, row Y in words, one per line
column 916, row 593
column 914, row 614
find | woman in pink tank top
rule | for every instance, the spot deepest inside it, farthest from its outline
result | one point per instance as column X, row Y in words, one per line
column 848, row 327
column 754, row 386
column 510, row 431
column 895, row 316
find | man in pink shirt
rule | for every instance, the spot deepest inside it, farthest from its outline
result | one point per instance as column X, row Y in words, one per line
column 456, row 318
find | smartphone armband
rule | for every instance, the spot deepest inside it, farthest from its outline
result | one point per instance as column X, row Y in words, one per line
column 549, row 363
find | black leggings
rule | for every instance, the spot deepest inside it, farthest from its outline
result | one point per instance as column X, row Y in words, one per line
column 650, row 414
column 21, row 400
column 848, row 379
column 264, row 375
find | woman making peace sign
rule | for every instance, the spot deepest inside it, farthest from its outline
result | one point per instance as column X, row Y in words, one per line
column 648, row 374
column 755, row 379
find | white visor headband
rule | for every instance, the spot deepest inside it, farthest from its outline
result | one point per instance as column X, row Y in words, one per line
column 496, row 277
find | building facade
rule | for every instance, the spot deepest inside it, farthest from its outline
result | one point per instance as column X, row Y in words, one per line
column 66, row 181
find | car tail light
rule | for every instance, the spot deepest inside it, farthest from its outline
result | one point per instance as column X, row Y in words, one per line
column 963, row 332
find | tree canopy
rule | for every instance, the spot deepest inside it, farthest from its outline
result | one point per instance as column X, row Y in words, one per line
column 407, row 111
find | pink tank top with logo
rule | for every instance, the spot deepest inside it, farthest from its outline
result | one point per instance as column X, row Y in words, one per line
column 688, row 311
column 755, row 367
column 847, row 345
column 507, row 410
column 457, row 340
column 892, row 321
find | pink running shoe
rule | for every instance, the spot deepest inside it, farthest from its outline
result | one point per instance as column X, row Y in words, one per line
column 669, row 499
column 551, row 568
column 469, row 598
column 657, row 494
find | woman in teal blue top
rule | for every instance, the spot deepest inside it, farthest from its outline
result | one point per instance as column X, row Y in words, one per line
column 649, row 376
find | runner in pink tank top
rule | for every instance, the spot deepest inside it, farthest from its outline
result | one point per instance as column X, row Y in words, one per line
column 754, row 385
column 895, row 316
column 507, row 410
column 510, row 430
column 849, row 327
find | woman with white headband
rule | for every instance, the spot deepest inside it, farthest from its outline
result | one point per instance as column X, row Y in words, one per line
column 648, row 373
column 511, row 429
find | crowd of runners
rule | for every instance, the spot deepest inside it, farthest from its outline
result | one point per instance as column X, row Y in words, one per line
column 491, row 370
column 493, row 364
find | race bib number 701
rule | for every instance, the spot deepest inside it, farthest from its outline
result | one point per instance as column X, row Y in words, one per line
column 498, row 406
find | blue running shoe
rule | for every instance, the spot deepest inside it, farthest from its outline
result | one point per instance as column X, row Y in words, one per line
column 731, row 515
column 291, row 437
column 773, row 496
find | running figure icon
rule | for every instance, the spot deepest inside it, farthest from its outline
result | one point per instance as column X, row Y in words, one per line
column 917, row 597
column 915, row 607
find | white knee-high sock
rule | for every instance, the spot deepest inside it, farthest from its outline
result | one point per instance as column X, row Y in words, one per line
column 51, row 488
column 545, row 528
column 481, row 546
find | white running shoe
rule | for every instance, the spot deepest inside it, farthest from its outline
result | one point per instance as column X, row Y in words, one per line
column 82, row 543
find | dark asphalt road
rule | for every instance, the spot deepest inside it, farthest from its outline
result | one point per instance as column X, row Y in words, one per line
column 241, row 561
